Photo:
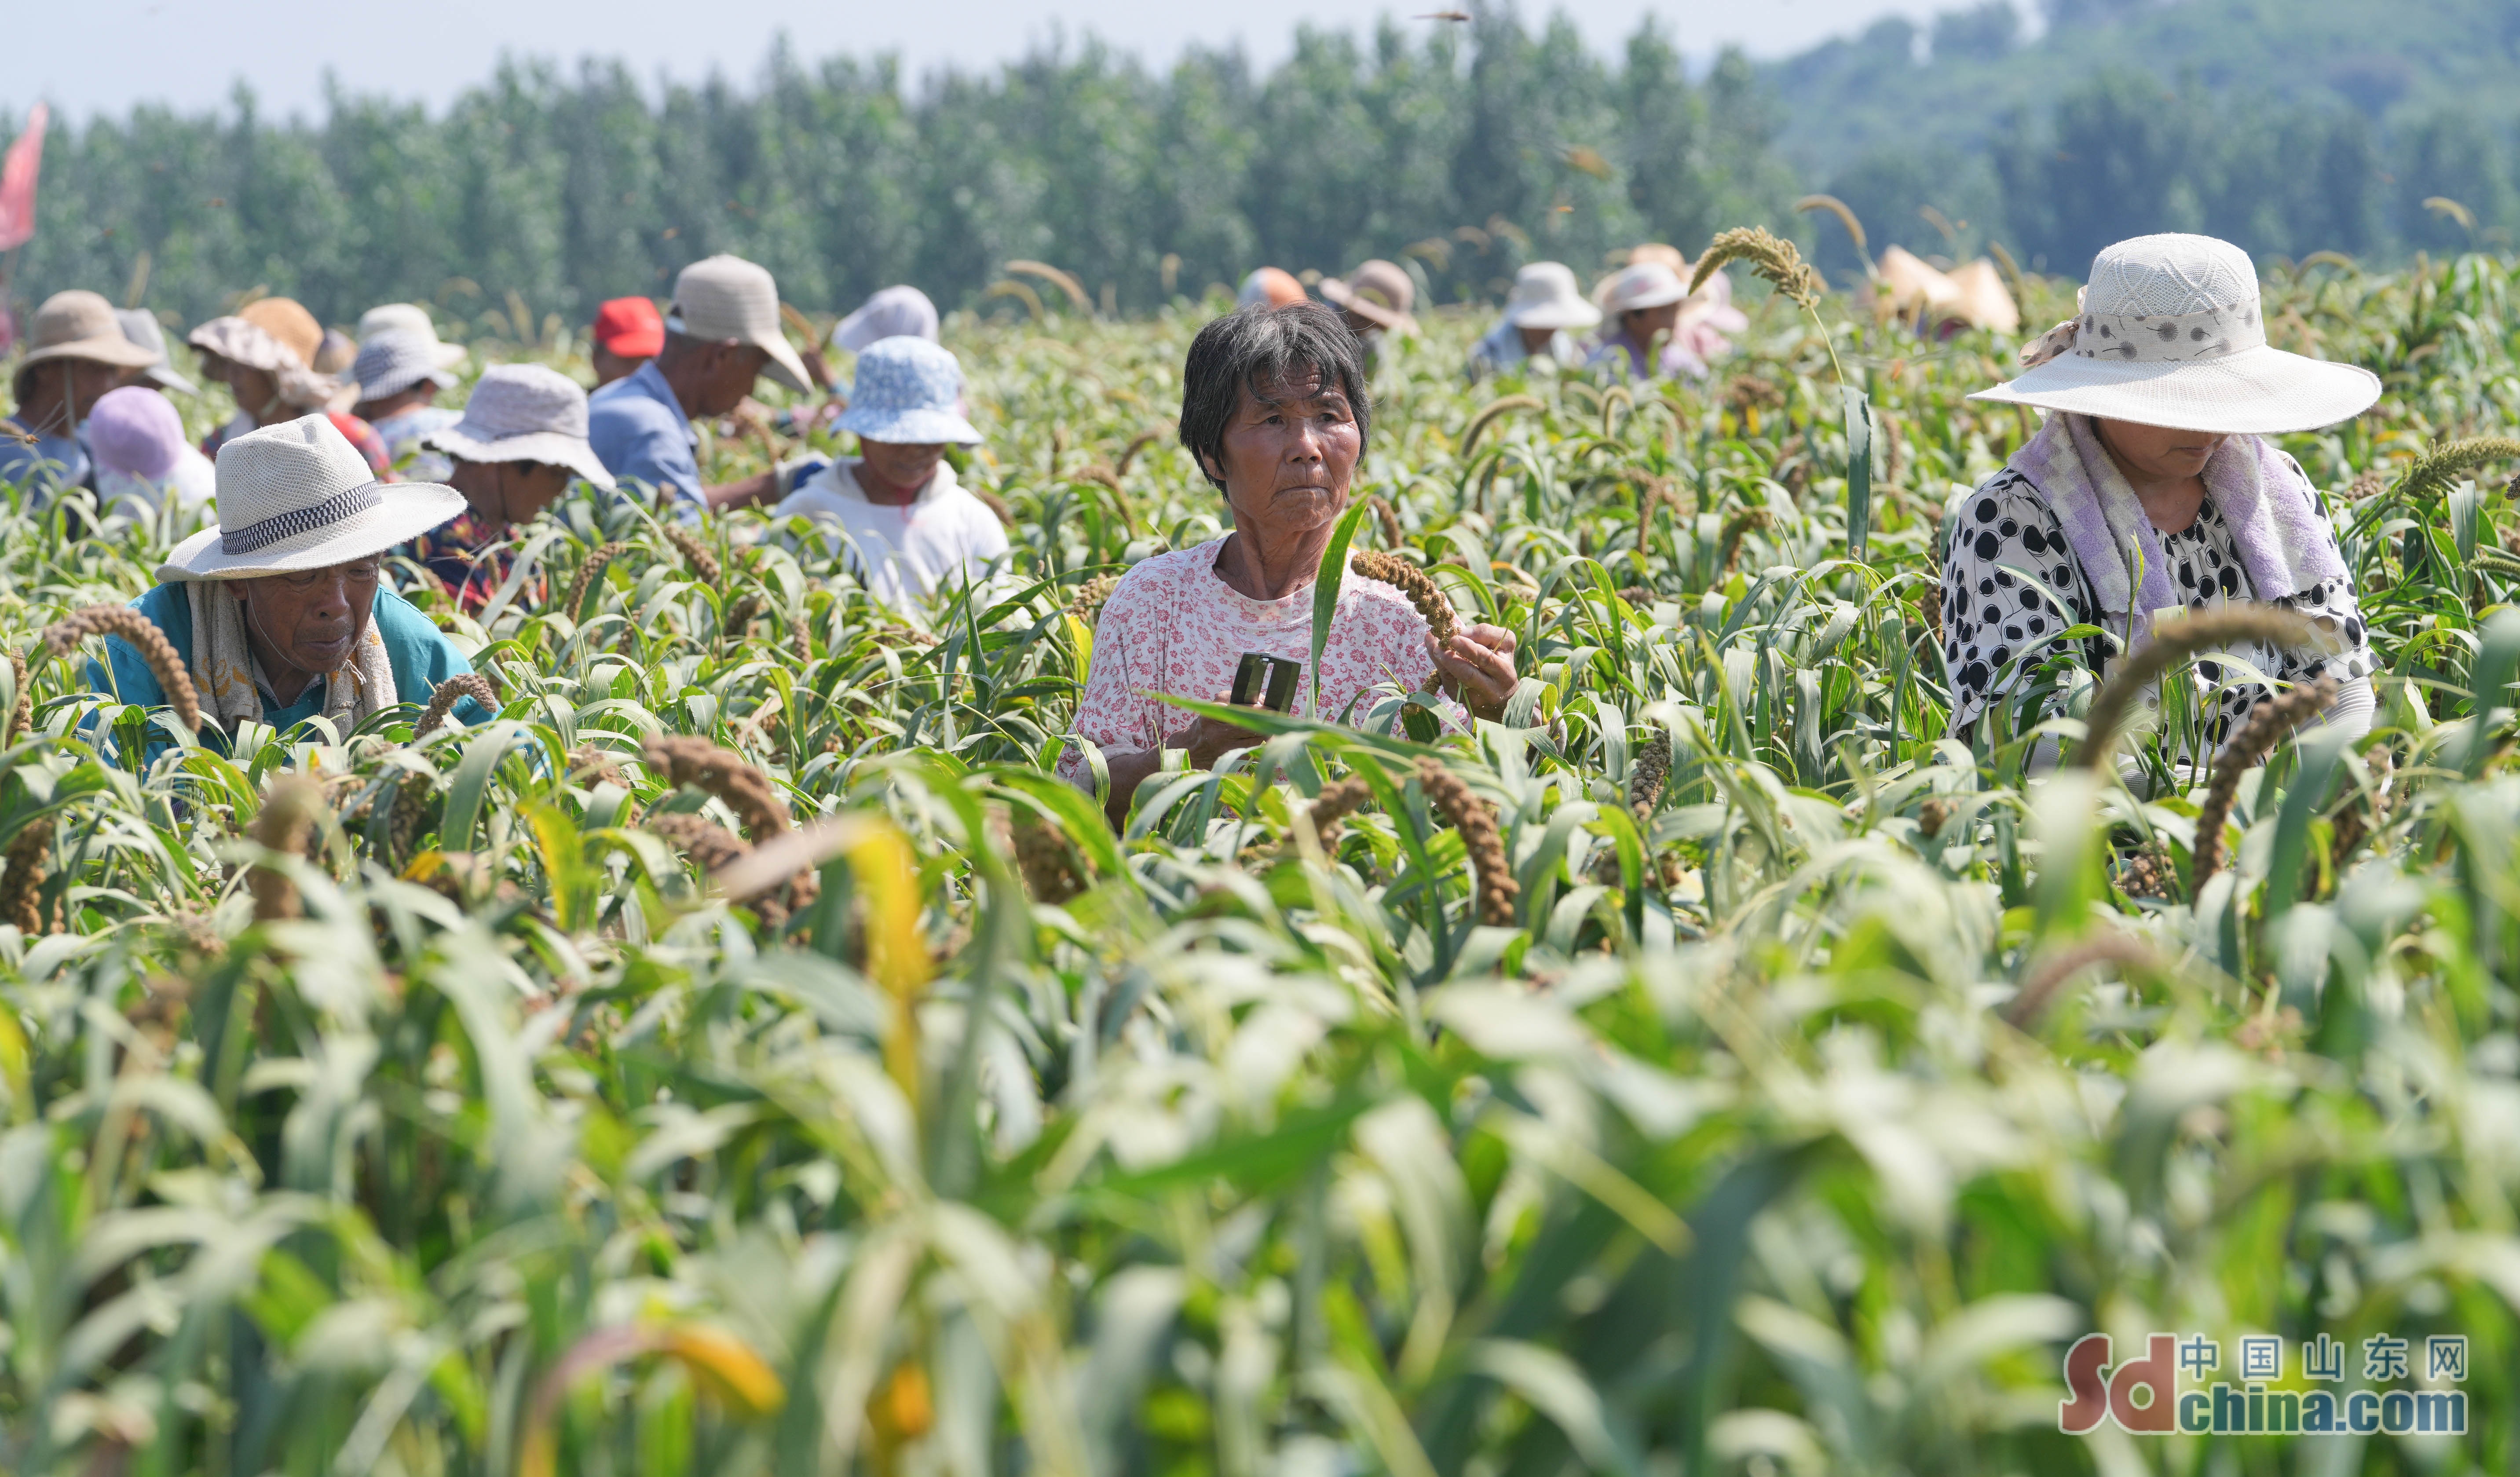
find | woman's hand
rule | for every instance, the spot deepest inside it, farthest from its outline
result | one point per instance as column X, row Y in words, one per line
column 1206, row 740
column 1480, row 662
column 1210, row 741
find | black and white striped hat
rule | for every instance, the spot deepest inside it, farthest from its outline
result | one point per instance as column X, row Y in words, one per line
column 298, row 496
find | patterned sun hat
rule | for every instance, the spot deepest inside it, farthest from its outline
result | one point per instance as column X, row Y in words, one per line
column 524, row 413
column 909, row 391
column 395, row 361
column 2171, row 334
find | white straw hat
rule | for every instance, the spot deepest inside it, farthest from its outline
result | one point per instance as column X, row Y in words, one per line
column 410, row 318
column 891, row 313
column 722, row 297
column 1544, row 296
column 298, row 496
column 1647, row 285
column 2171, row 334
column 524, row 413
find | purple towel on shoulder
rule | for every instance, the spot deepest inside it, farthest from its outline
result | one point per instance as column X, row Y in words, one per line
column 2284, row 539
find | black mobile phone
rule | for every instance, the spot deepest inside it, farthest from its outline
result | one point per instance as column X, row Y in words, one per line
column 1266, row 680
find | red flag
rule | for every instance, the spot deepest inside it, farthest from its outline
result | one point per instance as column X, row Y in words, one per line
column 18, row 179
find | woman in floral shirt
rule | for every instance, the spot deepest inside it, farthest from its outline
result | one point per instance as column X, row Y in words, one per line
column 1274, row 407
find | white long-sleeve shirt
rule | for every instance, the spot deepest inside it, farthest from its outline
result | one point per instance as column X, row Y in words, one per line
column 942, row 537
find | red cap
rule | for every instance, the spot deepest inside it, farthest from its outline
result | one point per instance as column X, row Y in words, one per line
column 630, row 326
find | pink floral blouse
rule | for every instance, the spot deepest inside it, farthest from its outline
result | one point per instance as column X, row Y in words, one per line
column 1175, row 626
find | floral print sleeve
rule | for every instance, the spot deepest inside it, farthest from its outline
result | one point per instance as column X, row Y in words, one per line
column 2007, row 556
column 1174, row 626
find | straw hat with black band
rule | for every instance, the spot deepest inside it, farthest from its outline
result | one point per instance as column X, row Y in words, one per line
column 296, row 496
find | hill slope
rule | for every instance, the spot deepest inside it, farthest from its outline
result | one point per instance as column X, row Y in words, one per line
column 2287, row 126
column 1953, row 84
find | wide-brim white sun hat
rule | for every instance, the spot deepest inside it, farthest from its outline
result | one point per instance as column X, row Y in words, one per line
column 298, row 496
column 1544, row 296
column 908, row 392
column 891, row 313
column 410, row 318
column 524, row 413
column 2171, row 334
column 1645, row 285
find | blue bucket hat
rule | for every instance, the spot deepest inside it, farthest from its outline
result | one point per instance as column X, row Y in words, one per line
column 906, row 391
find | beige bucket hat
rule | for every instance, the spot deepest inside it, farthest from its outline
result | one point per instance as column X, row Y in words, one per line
column 722, row 297
column 2171, row 334
column 299, row 496
column 80, row 325
column 1378, row 292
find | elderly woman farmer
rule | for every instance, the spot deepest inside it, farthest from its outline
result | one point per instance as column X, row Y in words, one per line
column 519, row 443
column 909, row 525
column 279, row 610
column 2151, row 486
column 1274, row 406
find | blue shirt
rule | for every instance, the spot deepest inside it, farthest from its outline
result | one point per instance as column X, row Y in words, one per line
column 51, row 464
column 641, row 436
column 422, row 657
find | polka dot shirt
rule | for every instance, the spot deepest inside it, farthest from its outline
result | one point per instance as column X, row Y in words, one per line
column 2000, row 625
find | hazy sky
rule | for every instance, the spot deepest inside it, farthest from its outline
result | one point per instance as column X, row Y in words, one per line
column 87, row 56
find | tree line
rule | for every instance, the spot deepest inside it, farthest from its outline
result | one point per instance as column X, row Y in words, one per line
column 1461, row 149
